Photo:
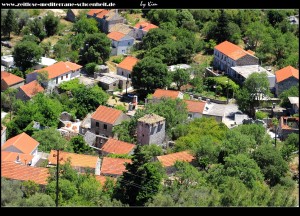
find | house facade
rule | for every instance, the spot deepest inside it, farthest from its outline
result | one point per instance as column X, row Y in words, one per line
column 288, row 125
column 121, row 43
column 195, row 108
column 141, row 29
column 286, row 78
column 26, row 92
column 151, row 129
column 227, row 55
column 106, row 18
column 104, row 119
column 57, row 73
column 9, row 80
column 125, row 67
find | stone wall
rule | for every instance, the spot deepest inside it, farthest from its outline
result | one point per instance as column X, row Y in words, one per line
column 247, row 60
column 286, row 84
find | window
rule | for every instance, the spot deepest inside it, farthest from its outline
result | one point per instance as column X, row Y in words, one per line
column 97, row 124
column 129, row 76
column 122, row 72
column 105, row 126
column 190, row 116
column 114, row 84
column 128, row 43
column 67, row 76
column 62, row 77
column 56, row 80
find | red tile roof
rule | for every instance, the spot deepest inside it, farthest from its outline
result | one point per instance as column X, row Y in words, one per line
column 60, row 68
column 22, row 142
column 115, row 35
column 113, row 166
column 95, row 11
column 32, row 88
column 77, row 160
column 102, row 14
column 106, row 114
column 159, row 93
column 10, row 79
column 128, row 63
column 195, row 106
column 286, row 73
column 114, row 146
column 102, row 179
column 11, row 170
column 146, row 26
column 12, row 156
column 231, row 50
column 170, row 159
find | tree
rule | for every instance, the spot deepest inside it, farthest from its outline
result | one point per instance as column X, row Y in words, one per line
column 243, row 168
column 290, row 145
column 222, row 31
column 271, row 163
column 38, row 200
column 90, row 68
column 80, row 146
column 141, row 181
column 150, row 74
column 160, row 16
column 96, row 48
column 86, row 26
column 152, row 150
column 51, row 24
column 30, row 188
column 36, row 27
column 42, row 78
column 155, row 37
column 27, row 54
column 293, row 91
column 255, row 32
column 31, row 38
column 67, row 190
column 181, row 77
column 275, row 16
column 9, row 99
column 50, row 139
column 9, row 22
column 10, row 192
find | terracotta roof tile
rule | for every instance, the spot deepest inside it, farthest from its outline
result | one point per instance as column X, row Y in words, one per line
column 11, row 170
column 128, row 63
column 159, row 93
column 146, row 26
column 195, row 106
column 106, row 114
column 77, row 160
column 113, row 166
column 231, row 50
column 170, row 159
column 60, row 68
column 22, row 142
column 12, row 156
column 94, row 11
column 114, row 35
column 117, row 146
column 10, row 79
column 102, row 14
column 102, row 179
column 286, row 73
column 32, row 88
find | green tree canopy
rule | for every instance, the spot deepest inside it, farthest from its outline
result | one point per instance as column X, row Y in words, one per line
column 36, row 27
column 86, row 26
column 51, row 24
column 9, row 23
column 181, row 77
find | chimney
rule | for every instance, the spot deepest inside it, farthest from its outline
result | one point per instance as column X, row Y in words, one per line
column 18, row 159
column 199, row 98
column 208, row 100
column 191, row 97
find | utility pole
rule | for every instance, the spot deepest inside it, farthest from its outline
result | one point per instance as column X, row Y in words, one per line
column 126, row 84
column 57, row 173
column 227, row 88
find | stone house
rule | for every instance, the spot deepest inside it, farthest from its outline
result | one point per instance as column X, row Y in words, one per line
column 72, row 14
column 169, row 160
column 108, row 83
column 121, row 43
column 9, row 80
column 141, row 29
column 151, row 129
column 57, row 73
column 227, row 55
column 288, row 125
column 285, row 79
column 80, row 162
column 295, row 103
column 106, row 18
column 114, row 146
column 195, row 108
column 104, row 119
column 125, row 67
column 113, row 167
column 27, row 91
column 23, row 149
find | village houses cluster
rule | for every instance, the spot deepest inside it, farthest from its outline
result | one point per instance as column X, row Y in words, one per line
column 20, row 154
